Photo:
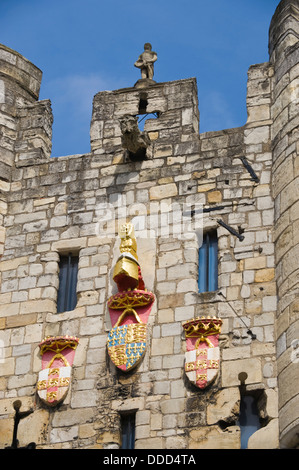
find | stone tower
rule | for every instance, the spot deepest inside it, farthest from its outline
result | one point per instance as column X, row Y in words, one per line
column 284, row 56
column 26, row 123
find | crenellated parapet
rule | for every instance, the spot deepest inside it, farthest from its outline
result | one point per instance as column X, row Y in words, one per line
column 22, row 79
column 25, row 122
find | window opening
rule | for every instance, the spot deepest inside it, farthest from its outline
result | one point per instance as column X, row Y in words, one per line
column 142, row 104
column 142, row 118
column 249, row 420
column 67, row 292
column 128, row 431
column 138, row 156
column 208, row 263
column 143, row 115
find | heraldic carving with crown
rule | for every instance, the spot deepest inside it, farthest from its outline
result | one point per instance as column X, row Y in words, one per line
column 202, row 356
column 130, row 308
column 58, row 354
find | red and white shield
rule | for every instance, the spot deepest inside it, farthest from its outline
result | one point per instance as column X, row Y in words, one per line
column 202, row 357
column 58, row 354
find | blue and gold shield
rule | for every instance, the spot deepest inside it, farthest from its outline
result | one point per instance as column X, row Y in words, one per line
column 127, row 344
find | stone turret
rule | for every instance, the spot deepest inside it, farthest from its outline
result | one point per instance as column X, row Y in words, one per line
column 284, row 56
column 26, row 123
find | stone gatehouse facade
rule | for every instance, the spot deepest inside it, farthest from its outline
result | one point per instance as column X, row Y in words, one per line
column 242, row 184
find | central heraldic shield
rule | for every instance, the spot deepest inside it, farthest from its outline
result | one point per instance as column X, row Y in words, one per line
column 130, row 308
column 202, row 357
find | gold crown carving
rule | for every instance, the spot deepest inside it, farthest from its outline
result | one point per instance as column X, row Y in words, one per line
column 202, row 326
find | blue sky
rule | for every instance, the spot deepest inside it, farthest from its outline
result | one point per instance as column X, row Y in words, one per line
column 87, row 46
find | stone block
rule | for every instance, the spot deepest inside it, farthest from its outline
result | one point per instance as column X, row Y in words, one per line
column 184, row 313
column 136, row 403
column 214, row 197
column 163, row 191
column 84, row 399
column 177, row 389
column 23, row 365
column 258, row 262
column 34, row 428
column 8, row 367
column 33, row 333
column 232, row 369
column 6, row 432
column 264, row 275
column 162, row 387
column 171, row 258
column 225, row 407
column 172, row 406
column 265, row 438
column 86, row 431
column 166, row 288
column 90, row 326
column 162, row 346
column 256, row 135
column 58, row 435
column 270, row 303
column 149, row 443
column 212, row 437
column 37, row 306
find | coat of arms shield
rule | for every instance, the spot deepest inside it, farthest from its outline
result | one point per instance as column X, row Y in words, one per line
column 129, row 313
column 58, row 354
column 202, row 357
column 130, row 307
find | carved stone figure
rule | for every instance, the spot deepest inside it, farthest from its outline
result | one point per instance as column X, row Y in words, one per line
column 146, row 61
column 133, row 140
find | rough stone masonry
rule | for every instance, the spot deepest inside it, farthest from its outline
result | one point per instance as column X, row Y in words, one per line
column 246, row 178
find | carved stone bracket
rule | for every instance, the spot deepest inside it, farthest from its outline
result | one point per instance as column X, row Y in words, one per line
column 134, row 141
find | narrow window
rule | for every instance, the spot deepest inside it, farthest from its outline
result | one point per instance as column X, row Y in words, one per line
column 249, row 420
column 128, row 431
column 68, row 271
column 142, row 104
column 208, row 263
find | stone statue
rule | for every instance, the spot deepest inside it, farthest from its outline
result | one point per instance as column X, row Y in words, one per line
column 146, row 61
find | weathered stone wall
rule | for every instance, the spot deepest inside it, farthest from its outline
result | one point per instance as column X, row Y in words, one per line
column 55, row 207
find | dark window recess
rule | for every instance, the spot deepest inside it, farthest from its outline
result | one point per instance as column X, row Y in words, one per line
column 138, row 156
column 208, row 263
column 249, row 420
column 142, row 104
column 128, row 431
column 68, row 272
column 143, row 115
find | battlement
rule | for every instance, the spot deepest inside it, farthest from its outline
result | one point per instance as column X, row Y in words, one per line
column 18, row 70
column 284, row 27
column 25, row 122
column 169, row 112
